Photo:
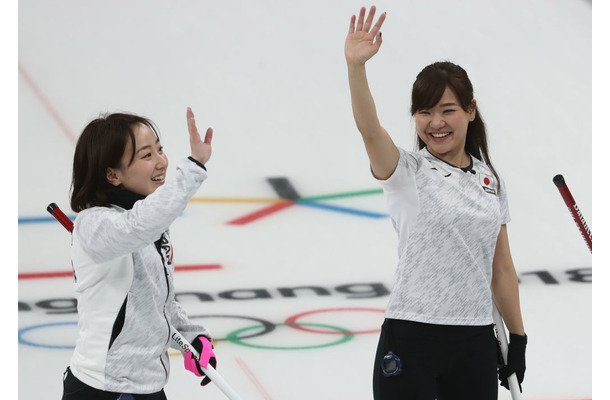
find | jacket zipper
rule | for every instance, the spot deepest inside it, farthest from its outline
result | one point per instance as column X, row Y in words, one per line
column 159, row 249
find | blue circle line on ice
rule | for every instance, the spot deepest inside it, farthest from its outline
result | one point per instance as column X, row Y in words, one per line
column 23, row 331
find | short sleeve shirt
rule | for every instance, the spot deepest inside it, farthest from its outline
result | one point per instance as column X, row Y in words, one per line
column 447, row 220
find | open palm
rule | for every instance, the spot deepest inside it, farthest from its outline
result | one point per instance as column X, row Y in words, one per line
column 363, row 39
column 201, row 150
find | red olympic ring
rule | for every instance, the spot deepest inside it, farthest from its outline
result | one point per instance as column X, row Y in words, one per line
column 292, row 321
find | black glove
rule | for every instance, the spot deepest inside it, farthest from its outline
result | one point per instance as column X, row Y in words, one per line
column 516, row 360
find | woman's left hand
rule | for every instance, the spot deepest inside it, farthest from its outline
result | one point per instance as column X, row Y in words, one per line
column 200, row 150
column 516, row 360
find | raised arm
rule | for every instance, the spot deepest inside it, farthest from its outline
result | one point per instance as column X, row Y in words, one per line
column 105, row 234
column 363, row 42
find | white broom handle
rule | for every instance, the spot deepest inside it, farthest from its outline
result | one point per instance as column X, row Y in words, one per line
column 209, row 370
column 513, row 383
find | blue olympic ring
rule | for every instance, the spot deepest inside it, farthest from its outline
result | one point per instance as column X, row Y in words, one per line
column 31, row 328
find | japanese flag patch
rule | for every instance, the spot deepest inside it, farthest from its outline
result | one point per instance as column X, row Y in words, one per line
column 488, row 183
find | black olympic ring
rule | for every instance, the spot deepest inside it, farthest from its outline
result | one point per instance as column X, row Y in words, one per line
column 267, row 326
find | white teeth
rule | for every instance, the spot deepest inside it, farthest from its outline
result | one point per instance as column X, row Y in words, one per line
column 440, row 135
column 158, row 178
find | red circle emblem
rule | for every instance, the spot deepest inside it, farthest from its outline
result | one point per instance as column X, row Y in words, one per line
column 486, row 181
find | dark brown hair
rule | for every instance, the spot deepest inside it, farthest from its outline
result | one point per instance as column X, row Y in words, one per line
column 101, row 146
column 428, row 89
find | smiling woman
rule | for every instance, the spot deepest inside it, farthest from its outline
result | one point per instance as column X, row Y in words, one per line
column 106, row 143
column 142, row 171
column 450, row 215
column 123, row 259
column 447, row 119
column 443, row 127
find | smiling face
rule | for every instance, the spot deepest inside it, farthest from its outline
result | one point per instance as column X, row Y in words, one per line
column 443, row 128
column 146, row 172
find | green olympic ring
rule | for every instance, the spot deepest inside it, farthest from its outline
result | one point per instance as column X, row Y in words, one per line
column 233, row 337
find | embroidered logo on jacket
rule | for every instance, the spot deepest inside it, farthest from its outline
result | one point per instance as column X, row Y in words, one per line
column 166, row 250
column 488, row 183
column 442, row 173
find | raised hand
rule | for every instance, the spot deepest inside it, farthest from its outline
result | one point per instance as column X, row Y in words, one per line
column 363, row 39
column 200, row 150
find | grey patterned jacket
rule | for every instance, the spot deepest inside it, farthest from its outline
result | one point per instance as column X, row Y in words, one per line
column 123, row 268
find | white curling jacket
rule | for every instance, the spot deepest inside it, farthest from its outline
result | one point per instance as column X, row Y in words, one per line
column 123, row 268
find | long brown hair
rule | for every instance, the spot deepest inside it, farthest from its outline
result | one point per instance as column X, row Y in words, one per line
column 428, row 89
column 100, row 146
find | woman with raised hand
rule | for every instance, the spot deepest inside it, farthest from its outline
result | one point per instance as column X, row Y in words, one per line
column 449, row 208
column 123, row 259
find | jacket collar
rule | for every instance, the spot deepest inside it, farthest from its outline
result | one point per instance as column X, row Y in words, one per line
column 124, row 198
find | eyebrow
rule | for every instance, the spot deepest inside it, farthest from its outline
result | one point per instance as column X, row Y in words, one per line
column 146, row 147
column 447, row 104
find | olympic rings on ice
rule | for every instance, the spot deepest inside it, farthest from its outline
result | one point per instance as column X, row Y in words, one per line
column 262, row 327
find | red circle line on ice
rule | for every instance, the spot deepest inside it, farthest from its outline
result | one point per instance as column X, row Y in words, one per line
column 292, row 320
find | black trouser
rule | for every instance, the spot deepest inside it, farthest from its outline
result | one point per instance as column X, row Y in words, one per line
column 438, row 362
column 74, row 389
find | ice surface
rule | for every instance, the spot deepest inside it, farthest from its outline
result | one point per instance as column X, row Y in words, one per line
column 270, row 78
